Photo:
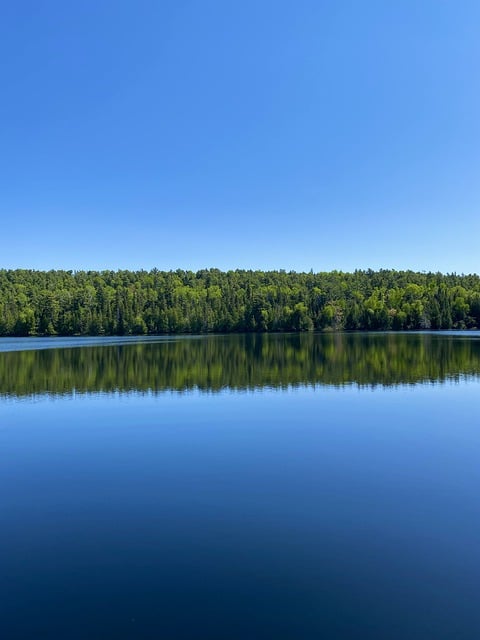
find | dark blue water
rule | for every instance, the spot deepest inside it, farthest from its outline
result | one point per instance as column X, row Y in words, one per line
column 222, row 507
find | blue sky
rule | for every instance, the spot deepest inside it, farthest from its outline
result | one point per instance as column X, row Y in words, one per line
column 252, row 134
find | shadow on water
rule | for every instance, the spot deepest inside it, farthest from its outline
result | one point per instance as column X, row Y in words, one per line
column 241, row 362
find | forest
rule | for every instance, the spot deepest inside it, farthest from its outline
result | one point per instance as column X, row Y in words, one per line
column 154, row 302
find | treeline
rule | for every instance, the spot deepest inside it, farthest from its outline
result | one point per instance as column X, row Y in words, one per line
column 159, row 302
column 241, row 362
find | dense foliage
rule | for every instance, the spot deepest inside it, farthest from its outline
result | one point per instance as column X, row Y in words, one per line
column 246, row 361
column 155, row 302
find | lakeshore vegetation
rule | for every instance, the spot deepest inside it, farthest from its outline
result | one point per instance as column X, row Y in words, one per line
column 160, row 302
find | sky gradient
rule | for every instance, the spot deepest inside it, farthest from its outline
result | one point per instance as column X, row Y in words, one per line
column 256, row 134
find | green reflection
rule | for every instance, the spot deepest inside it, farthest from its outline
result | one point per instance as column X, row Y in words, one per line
column 211, row 363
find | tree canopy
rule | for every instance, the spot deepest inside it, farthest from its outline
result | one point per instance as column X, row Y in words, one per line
column 210, row 300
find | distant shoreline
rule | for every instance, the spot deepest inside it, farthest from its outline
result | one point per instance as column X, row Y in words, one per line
column 167, row 303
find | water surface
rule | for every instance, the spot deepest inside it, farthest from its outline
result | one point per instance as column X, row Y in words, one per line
column 285, row 486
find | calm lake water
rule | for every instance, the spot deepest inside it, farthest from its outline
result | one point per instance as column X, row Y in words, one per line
column 240, row 487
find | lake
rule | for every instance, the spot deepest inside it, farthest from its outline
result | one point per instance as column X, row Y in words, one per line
column 240, row 487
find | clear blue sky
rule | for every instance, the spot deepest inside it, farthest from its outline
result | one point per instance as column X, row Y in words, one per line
column 240, row 133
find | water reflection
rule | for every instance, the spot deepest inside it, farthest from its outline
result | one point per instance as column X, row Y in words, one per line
column 241, row 362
